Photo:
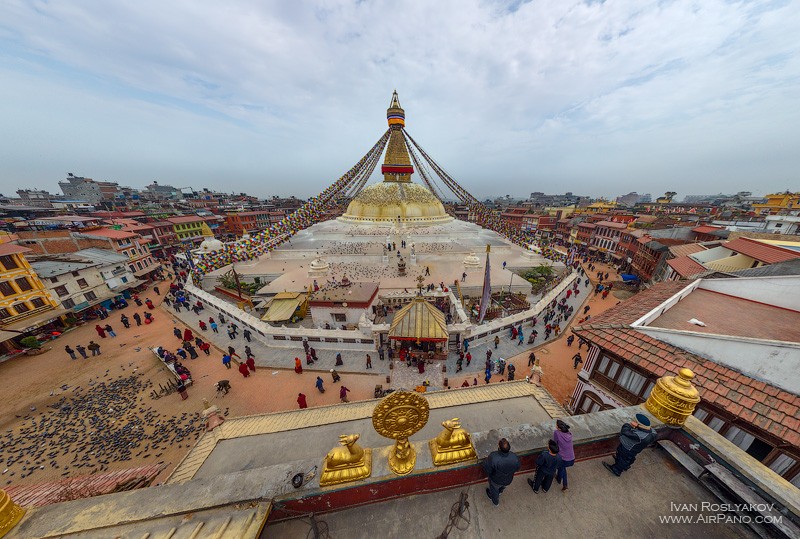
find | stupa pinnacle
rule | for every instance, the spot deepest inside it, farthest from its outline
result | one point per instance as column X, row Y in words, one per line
column 396, row 199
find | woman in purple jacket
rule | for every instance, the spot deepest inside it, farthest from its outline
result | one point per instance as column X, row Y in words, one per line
column 563, row 437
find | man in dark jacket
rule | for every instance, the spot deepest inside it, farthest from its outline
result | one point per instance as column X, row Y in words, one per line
column 547, row 464
column 500, row 466
column 633, row 438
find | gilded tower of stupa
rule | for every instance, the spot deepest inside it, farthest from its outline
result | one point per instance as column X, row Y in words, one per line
column 396, row 199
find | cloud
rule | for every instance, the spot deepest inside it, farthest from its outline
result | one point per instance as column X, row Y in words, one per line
column 608, row 96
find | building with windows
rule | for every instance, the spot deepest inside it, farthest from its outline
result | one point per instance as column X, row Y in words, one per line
column 25, row 304
column 248, row 221
column 606, row 237
column 130, row 244
column 189, row 228
column 741, row 337
column 85, row 278
column 778, row 202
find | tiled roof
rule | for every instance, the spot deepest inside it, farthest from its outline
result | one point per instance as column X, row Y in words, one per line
column 639, row 305
column 706, row 229
column 685, row 266
column 89, row 485
column 185, row 219
column 686, row 249
column 766, row 406
column 11, row 249
column 611, row 224
column 763, row 252
column 110, row 233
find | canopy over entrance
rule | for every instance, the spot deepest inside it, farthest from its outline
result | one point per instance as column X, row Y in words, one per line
column 419, row 321
column 284, row 306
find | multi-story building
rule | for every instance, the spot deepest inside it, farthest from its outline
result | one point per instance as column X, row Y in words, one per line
column 113, row 267
column 73, row 281
column 627, row 247
column 741, row 338
column 189, row 228
column 583, row 235
column 164, row 238
column 513, row 217
column 778, row 202
column 130, row 244
column 89, row 190
column 649, row 262
column 606, row 237
column 36, row 197
column 25, row 304
column 783, row 224
column 247, row 221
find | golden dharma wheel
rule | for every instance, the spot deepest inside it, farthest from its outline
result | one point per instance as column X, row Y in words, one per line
column 400, row 414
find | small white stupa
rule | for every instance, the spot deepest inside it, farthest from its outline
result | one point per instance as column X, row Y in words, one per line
column 210, row 243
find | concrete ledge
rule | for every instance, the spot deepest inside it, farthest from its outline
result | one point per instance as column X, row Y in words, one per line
column 767, row 482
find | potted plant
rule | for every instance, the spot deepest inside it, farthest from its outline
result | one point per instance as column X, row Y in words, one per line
column 32, row 345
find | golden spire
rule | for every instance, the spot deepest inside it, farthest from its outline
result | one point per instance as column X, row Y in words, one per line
column 205, row 230
column 396, row 164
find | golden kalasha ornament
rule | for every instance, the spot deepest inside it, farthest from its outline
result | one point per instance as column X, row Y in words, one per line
column 10, row 513
column 673, row 399
column 452, row 445
column 351, row 462
column 398, row 416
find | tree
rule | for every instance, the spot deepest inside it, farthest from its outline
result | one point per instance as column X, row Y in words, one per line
column 31, row 343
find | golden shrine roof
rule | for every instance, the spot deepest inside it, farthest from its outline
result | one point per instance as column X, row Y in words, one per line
column 419, row 321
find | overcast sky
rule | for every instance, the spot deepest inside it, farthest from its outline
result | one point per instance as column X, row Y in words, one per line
column 283, row 97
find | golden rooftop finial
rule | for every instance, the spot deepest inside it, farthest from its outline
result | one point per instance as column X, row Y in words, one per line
column 673, row 399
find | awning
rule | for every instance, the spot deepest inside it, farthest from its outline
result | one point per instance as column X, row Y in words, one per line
column 37, row 320
column 419, row 321
column 8, row 335
column 283, row 306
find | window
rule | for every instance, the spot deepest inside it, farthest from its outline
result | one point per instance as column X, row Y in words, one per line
column 68, row 303
column 632, row 381
column 700, row 414
column 82, row 283
column 37, row 302
column 124, row 279
column 6, row 289
column 716, row 423
column 588, row 405
column 23, row 284
column 8, row 262
column 21, row 307
column 4, row 314
column 782, row 464
column 90, row 296
column 75, row 273
column 53, row 279
column 61, row 291
column 339, row 317
column 739, row 437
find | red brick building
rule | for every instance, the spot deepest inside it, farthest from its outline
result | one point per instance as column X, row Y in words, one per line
column 247, row 221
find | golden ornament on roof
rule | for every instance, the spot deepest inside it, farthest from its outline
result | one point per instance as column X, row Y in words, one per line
column 673, row 399
column 398, row 416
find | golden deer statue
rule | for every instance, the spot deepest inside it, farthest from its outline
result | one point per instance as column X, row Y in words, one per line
column 350, row 462
column 452, row 445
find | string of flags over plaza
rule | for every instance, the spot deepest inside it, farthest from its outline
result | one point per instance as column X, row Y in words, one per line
column 347, row 187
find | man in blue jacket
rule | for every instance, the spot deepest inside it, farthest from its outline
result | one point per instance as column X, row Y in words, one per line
column 633, row 438
column 500, row 466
